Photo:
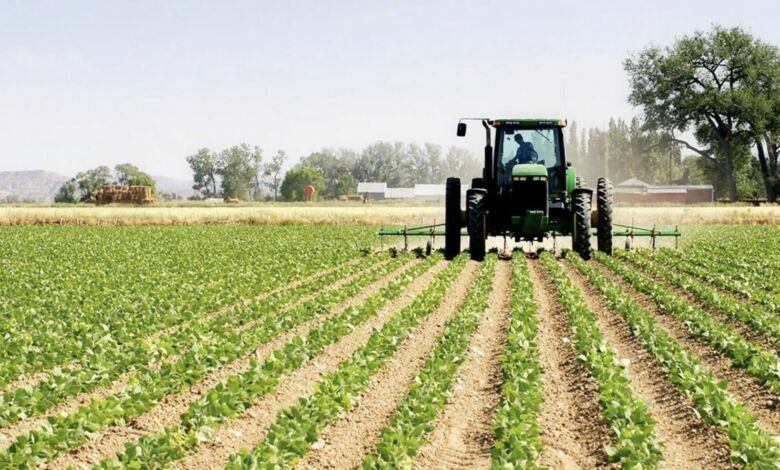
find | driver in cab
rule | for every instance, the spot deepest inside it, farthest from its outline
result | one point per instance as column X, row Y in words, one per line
column 525, row 152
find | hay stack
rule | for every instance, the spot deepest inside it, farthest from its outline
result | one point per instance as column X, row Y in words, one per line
column 118, row 194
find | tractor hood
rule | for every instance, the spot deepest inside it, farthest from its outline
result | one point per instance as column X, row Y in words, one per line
column 529, row 169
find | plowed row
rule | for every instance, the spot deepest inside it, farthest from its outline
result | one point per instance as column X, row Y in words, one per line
column 398, row 361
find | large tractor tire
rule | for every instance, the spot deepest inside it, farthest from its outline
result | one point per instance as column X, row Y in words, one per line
column 580, row 237
column 476, row 213
column 604, row 210
column 452, row 218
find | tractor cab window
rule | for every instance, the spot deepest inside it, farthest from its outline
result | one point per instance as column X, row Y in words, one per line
column 540, row 146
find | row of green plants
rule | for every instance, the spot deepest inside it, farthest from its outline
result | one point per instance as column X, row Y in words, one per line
column 636, row 444
column 239, row 391
column 752, row 447
column 751, row 272
column 757, row 318
column 414, row 418
column 516, row 427
column 747, row 251
column 147, row 388
column 72, row 290
column 704, row 268
column 761, row 363
column 296, row 428
column 103, row 367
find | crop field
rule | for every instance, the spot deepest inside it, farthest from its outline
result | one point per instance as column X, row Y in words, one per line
column 307, row 347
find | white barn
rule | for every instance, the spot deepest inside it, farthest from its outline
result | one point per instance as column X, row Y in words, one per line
column 372, row 190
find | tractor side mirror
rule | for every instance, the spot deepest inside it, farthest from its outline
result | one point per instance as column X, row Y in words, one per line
column 461, row 129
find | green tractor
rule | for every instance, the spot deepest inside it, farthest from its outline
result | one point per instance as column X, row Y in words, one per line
column 527, row 191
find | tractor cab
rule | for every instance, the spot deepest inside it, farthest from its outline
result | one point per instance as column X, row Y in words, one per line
column 533, row 151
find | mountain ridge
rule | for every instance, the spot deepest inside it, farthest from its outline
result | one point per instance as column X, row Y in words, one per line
column 42, row 185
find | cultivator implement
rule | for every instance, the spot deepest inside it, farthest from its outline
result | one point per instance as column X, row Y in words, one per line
column 630, row 232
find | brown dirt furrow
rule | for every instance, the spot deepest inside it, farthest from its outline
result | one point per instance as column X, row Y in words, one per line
column 356, row 433
column 462, row 435
column 249, row 429
column 742, row 328
column 572, row 429
column 688, row 441
column 168, row 412
column 9, row 435
column 764, row 405
column 37, row 377
column 31, row 380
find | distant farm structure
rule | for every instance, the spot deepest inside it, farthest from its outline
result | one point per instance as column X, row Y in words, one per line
column 120, row 194
column 374, row 191
column 635, row 191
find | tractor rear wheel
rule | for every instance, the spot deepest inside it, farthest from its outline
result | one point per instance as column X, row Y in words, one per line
column 580, row 237
column 604, row 208
column 476, row 212
column 452, row 220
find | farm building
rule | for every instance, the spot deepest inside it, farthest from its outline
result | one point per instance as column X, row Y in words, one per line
column 420, row 192
column 429, row 192
column 636, row 191
column 399, row 193
column 372, row 190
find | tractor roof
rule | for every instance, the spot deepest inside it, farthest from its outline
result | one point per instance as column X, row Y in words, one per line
column 530, row 122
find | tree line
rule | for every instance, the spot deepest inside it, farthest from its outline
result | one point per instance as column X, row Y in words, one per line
column 709, row 113
column 240, row 172
column 716, row 94
column 621, row 151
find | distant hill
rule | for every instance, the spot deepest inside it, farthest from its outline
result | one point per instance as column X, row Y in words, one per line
column 181, row 188
column 41, row 186
column 34, row 185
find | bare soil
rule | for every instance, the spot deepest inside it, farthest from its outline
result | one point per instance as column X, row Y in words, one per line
column 688, row 441
column 169, row 410
column 345, row 442
column 572, row 429
column 462, row 435
column 760, row 402
column 251, row 428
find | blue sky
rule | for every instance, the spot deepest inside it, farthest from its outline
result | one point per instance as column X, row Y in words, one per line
column 86, row 83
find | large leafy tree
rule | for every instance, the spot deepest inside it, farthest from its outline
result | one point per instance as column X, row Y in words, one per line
column 67, row 192
column 298, row 178
column 273, row 172
column 130, row 175
column 257, row 164
column 767, row 132
column 204, row 167
column 704, row 84
column 336, row 167
column 236, row 166
column 91, row 180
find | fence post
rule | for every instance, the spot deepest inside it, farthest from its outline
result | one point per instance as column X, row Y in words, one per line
column 652, row 235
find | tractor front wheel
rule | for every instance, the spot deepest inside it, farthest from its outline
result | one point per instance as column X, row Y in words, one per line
column 476, row 212
column 452, row 220
column 580, row 236
column 604, row 208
